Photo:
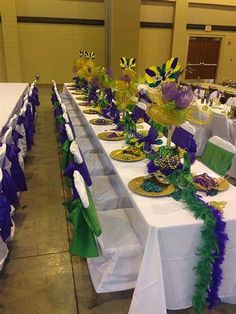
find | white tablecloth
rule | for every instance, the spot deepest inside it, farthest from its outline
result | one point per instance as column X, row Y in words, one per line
column 11, row 96
column 166, row 278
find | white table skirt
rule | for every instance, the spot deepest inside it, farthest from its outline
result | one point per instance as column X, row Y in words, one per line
column 11, row 97
column 166, row 278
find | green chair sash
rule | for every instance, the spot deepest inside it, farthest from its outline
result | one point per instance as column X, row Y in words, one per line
column 60, row 119
column 217, row 159
column 67, row 156
column 86, row 227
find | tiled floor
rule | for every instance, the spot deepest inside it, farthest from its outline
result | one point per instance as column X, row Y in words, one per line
column 40, row 277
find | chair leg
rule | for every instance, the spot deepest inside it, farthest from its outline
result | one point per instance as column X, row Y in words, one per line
column 94, row 301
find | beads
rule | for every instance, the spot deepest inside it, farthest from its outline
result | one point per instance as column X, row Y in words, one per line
column 167, row 158
column 150, row 186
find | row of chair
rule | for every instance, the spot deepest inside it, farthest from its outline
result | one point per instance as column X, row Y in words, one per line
column 16, row 139
column 100, row 209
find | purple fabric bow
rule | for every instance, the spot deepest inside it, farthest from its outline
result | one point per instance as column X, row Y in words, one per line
column 139, row 113
column 16, row 170
column 149, row 139
column 5, row 218
column 93, row 94
column 83, row 170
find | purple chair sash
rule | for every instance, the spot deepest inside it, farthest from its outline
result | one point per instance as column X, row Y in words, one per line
column 5, row 218
column 29, row 127
column 8, row 188
column 16, row 170
column 16, row 136
column 185, row 140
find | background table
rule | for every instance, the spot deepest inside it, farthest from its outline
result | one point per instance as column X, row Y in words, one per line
column 170, row 235
column 11, row 97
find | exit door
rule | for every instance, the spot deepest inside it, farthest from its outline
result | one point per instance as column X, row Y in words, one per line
column 203, row 56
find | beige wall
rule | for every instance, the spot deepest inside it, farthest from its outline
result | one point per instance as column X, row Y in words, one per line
column 3, row 76
column 154, row 47
column 50, row 49
column 157, row 45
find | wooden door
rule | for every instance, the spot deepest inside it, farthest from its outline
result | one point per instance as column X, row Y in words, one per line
column 203, row 55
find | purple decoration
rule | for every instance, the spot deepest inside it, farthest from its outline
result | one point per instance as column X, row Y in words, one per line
column 109, row 95
column 149, row 139
column 109, row 72
column 217, row 274
column 125, row 78
column 182, row 97
column 95, row 82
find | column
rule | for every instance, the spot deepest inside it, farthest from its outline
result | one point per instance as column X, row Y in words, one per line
column 179, row 40
column 122, row 23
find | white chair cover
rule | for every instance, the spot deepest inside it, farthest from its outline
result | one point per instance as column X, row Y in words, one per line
column 3, row 252
column 215, row 95
column 69, row 132
column 21, row 129
column 231, row 101
column 220, row 127
column 108, row 193
column 198, row 92
column 121, row 254
column 3, row 156
column 222, row 143
column 188, row 127
column 98, row 164
column 7, row 138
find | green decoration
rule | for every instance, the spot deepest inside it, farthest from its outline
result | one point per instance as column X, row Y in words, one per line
column 186, row 192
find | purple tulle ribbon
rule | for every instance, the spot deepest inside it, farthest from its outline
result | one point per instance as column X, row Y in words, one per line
column 139, row 113
column 181, row 96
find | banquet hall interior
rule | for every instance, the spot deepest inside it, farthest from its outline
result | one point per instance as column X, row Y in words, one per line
column 117, row 156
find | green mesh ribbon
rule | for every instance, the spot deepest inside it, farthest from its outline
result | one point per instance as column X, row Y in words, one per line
column 217, row 159
column 186, row 192
column 159, row 127
column 86, row 228
column 67, row 156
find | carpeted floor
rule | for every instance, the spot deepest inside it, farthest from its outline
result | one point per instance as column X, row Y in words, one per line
column 40, row 277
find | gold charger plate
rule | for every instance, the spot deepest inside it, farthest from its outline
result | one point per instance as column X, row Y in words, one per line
column 97, row 121
column 91, row 111
column 135, row 186
column 81, row 97
column 223, row 185
column 118, row 154
column 77, row 93
column 105, row 136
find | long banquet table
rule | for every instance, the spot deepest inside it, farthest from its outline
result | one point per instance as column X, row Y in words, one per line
column 166, row 278
column 11, row 97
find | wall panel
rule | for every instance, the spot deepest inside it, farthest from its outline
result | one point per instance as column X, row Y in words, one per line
column 50, row 50
column 154, row 47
